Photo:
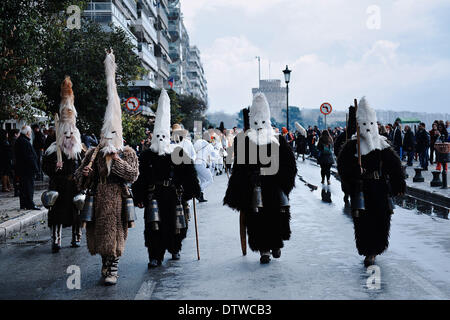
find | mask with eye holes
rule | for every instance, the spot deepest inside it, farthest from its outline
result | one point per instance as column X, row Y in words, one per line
column 161, row 133
column 368, row 128
column 111, row 139
column 261, row 131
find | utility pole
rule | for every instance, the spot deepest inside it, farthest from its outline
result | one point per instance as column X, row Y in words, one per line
column 259, row 69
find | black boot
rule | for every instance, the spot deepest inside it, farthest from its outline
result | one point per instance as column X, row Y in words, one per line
column 276, row 253
column 153, row 262
column 76, row 236
column 202, row 199
column 56, row 238
column 176, row 256
column 113, row 271
column 265, row 257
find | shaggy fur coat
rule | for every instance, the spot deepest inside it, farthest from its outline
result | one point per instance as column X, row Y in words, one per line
column 107, row 234
column 64, row 211
column 154, row 169
column 267, row 229
column 373, row 224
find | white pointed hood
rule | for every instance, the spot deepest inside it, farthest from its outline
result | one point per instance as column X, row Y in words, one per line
column 161, row 132
column 67, row 136
column 300, row 129
column 368, row 128
column 111, row 135
column 260, row 131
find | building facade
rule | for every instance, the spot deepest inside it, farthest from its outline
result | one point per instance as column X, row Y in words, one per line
column 156, row 29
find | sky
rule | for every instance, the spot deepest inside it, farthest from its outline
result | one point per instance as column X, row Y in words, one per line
column 394, row 52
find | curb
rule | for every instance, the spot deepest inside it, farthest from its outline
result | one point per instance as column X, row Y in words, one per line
column 433, row 198
column 18, row 224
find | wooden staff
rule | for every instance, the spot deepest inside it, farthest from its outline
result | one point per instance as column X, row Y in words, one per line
column 242, row 229
column 346, row 127
column 358, row 137
column 196, row 228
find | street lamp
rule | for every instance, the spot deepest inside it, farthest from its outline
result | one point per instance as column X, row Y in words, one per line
column 287, row 78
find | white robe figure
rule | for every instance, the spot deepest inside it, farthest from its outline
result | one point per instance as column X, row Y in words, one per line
column 204, row 152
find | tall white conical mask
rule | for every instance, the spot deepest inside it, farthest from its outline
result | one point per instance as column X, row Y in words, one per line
column 161, row 132
column 261, row 131
column 300, row 129
column 67, row 136
column 368, row 128
column 111, row 135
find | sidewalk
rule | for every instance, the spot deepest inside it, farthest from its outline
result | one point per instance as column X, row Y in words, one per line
column 428, row 176
column 12, row 219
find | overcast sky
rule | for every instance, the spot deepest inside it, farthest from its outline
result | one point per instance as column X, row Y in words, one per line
column 338, row 50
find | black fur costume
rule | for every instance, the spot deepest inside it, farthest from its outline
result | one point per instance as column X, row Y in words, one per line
column 64, row 211
column 154, row 169
column 267, row 229
column 373, row 224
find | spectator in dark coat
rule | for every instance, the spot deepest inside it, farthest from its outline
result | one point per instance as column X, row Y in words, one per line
column 14, row 135
column 5, row 161
column 397, row 139
column 408, row 144
column 38, row 145
column 51, row 137
column 422, row 145
column 442, row 138
column 434, row 135
column 26, row 168
column 325, row 158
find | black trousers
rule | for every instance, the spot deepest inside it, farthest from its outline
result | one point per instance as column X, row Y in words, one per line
column 325, row 171
column 26, row 187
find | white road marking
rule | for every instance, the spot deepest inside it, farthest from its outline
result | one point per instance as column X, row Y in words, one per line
column 146, row 290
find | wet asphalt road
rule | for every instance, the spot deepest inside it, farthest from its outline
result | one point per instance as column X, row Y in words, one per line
column 319, row 262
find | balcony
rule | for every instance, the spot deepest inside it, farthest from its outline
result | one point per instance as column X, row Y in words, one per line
column 152, row 5
column 147, row 56
column 163, row 41
column 146, row 24
column 163, row 16
column 163, row 67
column 131, row 6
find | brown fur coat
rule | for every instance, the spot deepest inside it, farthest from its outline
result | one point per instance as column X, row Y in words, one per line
column 107, row 234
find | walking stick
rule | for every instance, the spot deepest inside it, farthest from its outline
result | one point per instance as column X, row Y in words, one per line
column 359, row 201
column 196, row 229
column 242, row 229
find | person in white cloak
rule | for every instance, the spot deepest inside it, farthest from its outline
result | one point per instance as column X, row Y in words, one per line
column 204, row 152
column 180, row 137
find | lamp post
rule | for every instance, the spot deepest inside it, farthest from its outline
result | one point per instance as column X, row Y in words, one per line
column 287, row 78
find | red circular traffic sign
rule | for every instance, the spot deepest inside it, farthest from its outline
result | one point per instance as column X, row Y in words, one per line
column 132, row 103
column 326, row 108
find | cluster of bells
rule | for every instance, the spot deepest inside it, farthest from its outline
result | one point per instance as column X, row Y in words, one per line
column 182, row 215
column 257, row 200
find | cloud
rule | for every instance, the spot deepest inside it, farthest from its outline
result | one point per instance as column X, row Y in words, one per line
column 327, row 44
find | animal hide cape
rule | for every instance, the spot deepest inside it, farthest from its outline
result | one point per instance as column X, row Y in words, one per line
column 108, row 233
column 373, row 225
column 154, row 169
column 267, row 229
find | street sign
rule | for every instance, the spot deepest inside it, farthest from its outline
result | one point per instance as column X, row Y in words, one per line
column 326, row 108
column 132, row 104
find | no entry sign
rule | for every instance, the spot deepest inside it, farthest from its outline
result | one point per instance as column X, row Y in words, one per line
column 132, row 104
column 326, row 108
